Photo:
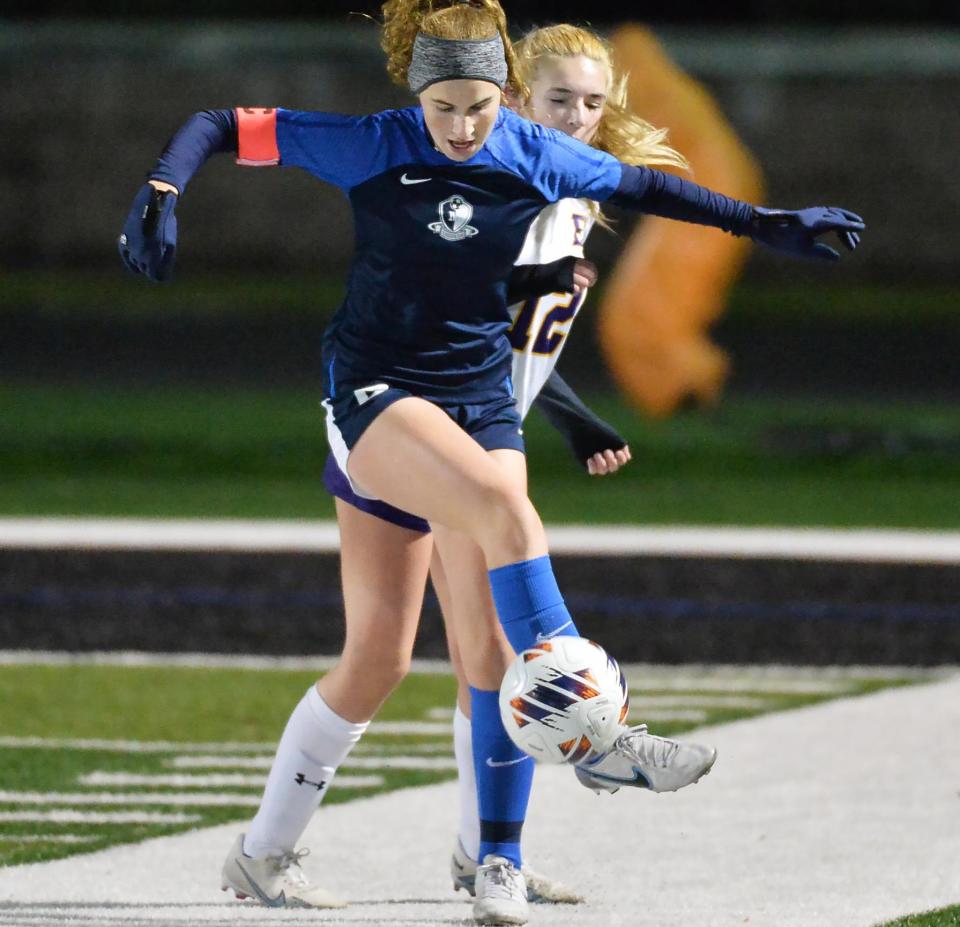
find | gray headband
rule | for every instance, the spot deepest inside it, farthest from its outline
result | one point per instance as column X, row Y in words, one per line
column 456, row 59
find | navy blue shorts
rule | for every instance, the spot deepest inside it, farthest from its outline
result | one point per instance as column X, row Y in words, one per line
column 493, row 423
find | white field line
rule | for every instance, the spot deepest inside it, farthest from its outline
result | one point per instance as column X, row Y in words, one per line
column 209, row 781
column 47, row 838
column 865, row 545
column 169, row 746
column 409, row 727
column 129, row 746
column 746, row 683
column 691, row 676
column 638, row 715
column 351, row 762
column 698, row 701
column 388, row 750
column 174, row 799
column 319, row 663
column 66, row 816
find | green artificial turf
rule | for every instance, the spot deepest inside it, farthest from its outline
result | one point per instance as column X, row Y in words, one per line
column 942, row 917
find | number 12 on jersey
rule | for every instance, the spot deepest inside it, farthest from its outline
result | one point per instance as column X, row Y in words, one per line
column 546, row 320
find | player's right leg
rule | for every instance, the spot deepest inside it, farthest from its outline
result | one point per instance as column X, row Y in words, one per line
column 384, row 568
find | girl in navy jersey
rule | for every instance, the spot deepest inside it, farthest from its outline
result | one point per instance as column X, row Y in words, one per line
column 416, row 361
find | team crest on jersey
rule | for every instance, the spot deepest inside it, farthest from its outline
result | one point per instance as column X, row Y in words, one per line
column 455, row 213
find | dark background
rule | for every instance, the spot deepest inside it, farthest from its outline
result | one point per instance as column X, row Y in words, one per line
column 757, row 12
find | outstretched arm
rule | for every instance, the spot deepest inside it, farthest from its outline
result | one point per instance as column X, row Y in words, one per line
column 148, row 243
column 594, row 442
column 794, row 232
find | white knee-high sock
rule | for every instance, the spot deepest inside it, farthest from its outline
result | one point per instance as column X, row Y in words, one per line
column 467, row 785
column 315, row 742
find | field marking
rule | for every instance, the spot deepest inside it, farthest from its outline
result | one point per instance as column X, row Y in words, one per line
column 859, row 544
column 129, row 746
column 639, row 714
column 210, row 780
column 699, row 701
column 351, row 762
column 66, row 816
column 48, row 838
column 170, row 746
column 207, row 799
column 409, row 727
column 648, row 676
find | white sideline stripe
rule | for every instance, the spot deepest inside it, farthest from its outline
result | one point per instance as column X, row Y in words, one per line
column 351, row 762
column 168, row 746
column 409, row 727
column 212, row 780
column 692, row 676
column 639, row 715
column 65, row 816
column 136, row 658
column 200, row 799
column 746, row 684
column 664, row 702
column 855, row 544
column 47, row 838
column 128, row 746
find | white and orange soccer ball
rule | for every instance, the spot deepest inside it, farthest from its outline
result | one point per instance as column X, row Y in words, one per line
column 564, row 700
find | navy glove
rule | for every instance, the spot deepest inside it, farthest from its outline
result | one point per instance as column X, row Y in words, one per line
column 797, row 232
column 148, row 243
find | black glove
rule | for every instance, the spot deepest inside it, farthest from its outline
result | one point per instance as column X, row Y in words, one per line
column 796, row 232
column 530, row 280
column 148, row 243
column 585, row 433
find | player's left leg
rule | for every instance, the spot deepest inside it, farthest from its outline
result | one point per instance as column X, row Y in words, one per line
column 464, row 561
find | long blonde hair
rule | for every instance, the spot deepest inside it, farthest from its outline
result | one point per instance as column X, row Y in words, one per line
column 621, row 132
column 443, row 19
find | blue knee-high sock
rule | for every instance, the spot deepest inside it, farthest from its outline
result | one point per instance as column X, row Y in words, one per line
column 529, row 603
column 504, row 777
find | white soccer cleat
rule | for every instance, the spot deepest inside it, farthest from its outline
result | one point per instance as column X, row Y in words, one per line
column 501, row 896
column 540, row 889
column 645, row 761
column 273, row 881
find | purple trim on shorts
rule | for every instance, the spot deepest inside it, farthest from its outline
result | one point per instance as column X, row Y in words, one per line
column 338, row 485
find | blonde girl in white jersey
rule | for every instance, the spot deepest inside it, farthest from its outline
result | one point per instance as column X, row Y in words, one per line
column 574, row 88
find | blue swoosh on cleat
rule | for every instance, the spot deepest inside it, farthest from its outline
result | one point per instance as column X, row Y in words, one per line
column 637, row 777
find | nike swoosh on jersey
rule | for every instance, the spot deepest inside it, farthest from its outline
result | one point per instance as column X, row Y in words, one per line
column 545, row 637
column 493, row 764
column 404, row 179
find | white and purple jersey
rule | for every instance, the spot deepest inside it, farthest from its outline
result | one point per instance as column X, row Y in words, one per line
column 541, row 324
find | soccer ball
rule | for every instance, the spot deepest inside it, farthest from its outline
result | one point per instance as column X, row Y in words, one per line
column 564, row 700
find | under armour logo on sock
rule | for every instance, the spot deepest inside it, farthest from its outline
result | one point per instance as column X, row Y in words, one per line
column 301, row 779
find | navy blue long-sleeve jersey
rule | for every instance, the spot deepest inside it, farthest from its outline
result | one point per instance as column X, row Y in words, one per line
column 436, row 239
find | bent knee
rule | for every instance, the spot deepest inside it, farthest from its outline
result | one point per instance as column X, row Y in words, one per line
column 381, row 671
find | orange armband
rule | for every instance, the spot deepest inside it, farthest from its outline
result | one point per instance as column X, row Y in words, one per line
column 257, row 137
